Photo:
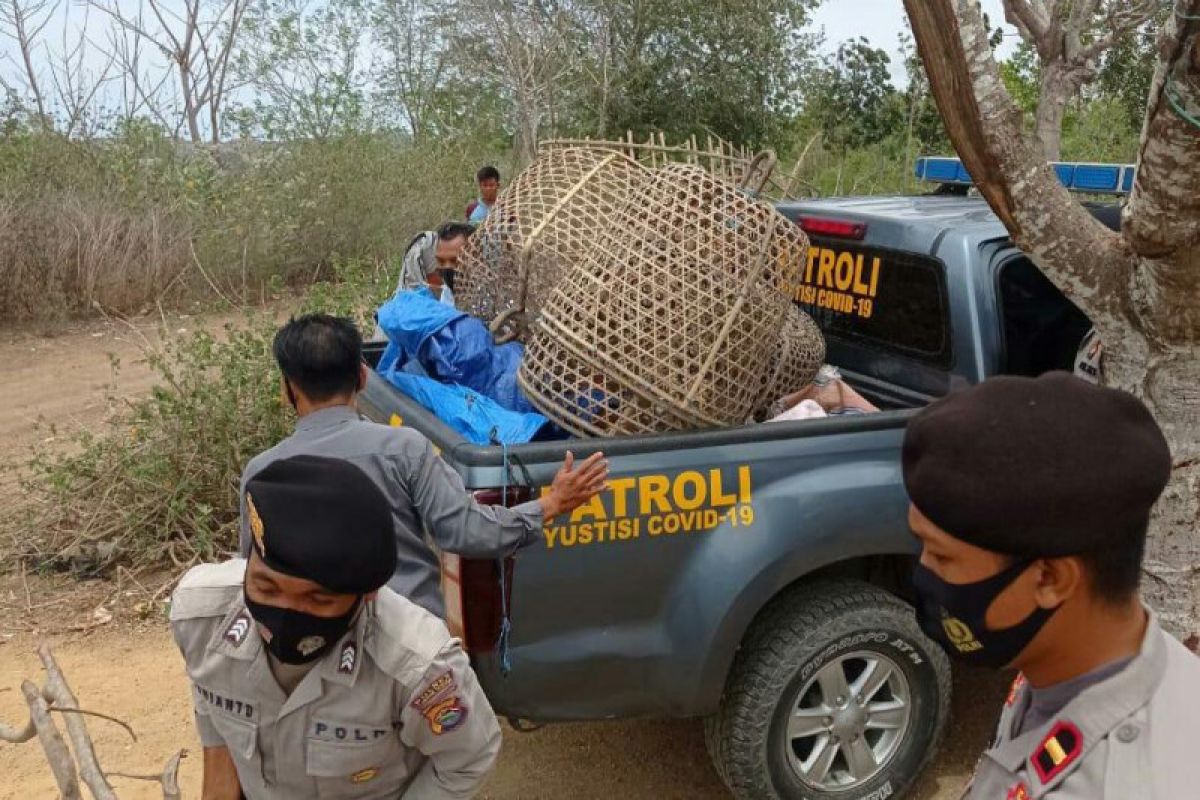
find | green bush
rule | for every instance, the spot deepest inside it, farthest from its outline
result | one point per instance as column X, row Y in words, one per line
column 158, row 484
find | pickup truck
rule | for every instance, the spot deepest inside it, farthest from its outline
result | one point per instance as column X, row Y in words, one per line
column 756, row 576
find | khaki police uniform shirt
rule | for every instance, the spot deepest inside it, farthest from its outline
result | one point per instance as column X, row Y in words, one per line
column 1133, row 736
column 392, row 711
column 423, row 491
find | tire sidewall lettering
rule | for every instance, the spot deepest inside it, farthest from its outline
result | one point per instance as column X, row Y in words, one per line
column 845, row 643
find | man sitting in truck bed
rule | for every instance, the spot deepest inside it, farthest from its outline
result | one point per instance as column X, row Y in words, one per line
column 320, row 358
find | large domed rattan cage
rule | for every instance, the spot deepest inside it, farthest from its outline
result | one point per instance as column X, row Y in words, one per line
column 677, row 314
column 544, row 222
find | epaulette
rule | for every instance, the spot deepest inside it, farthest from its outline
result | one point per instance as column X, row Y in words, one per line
column 207, row 590
column 1057, row 751
column 404, row 638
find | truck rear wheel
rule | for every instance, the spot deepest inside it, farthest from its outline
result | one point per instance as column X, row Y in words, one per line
column 835, row 693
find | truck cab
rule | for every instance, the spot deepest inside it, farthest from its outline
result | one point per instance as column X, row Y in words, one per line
column 938, row 296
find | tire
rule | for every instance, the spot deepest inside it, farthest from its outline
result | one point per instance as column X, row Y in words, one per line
column 802, row 641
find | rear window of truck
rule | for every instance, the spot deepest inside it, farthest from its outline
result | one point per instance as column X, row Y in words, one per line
column 878, row 297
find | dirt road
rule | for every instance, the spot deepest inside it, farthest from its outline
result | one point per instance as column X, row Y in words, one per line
column 132, row 669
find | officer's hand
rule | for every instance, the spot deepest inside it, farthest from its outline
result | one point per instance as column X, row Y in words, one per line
column 573, row 486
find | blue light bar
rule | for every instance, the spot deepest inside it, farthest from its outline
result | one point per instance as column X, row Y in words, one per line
column 1076, row 176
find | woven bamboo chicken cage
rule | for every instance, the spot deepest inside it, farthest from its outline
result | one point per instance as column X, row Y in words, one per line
column 544, row 221
column 799, row 354
column 674, row 318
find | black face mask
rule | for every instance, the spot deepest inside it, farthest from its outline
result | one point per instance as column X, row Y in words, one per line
column 448, row 277
column 297, row 637
column 954, row 615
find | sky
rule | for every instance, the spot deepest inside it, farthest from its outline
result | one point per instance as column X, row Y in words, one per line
column 881, row 22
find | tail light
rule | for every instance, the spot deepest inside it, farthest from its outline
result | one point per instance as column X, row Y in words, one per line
column 836, row 228
column 471, row 586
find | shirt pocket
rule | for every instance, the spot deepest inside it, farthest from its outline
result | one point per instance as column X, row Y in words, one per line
column 241, row 739
column 376, row 768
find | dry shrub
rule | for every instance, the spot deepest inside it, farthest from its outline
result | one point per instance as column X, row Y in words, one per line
column 64, row 254
column 138, row 217
column 158, row 483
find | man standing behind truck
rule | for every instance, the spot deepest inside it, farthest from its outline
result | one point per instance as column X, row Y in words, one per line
column 320, row 358
column 488, row 179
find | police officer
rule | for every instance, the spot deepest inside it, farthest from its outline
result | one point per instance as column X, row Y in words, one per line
column 1031, row 499
column 320, row 358
column 310, row 677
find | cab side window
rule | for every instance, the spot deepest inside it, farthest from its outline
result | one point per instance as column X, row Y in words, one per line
column 1042, row 328
column 908, row 310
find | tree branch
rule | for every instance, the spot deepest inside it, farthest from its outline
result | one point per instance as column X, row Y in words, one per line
column 986, row 128
column 53, row 745
column 1032, row 23
column 168, row 778
column 15, row 735
column 1082, row 12
column 1162, row 218
column 1121, row 21
column 132, row 27
column 61, row 695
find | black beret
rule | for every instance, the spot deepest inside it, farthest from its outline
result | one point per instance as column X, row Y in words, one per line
column 324, row 520
column 1037, row 467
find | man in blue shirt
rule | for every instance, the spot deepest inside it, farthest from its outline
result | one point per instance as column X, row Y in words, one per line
column 488, row 179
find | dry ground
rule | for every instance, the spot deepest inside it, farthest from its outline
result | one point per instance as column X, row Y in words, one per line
column 129, row 667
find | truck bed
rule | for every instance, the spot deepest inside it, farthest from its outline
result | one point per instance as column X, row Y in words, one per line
column 597, row 610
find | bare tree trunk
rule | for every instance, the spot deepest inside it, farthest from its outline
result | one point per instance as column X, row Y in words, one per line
column 1069, row 38
column 1056, row 92
column 31, row 74
column 1139, row 288
column 527, row 128
column 190, row 112
column 18, row 16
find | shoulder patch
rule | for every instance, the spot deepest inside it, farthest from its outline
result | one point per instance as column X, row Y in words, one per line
column 1057, row 751
column 435, row 690
column 207, row 590
column 445, row 715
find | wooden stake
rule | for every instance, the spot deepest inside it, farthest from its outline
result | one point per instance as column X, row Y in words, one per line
column 53, row 745
column 62, row 697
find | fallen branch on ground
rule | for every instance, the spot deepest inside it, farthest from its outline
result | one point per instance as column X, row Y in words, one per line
column 57, row 696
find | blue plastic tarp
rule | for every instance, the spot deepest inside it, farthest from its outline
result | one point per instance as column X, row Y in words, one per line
column 477, row 418
column 451, row 347
column 445, row 360
column 409, row 318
